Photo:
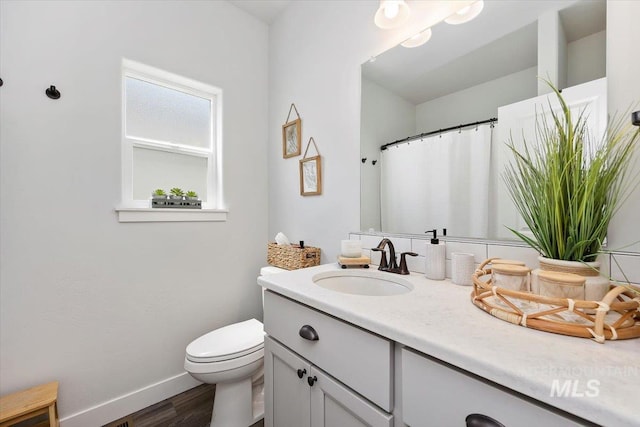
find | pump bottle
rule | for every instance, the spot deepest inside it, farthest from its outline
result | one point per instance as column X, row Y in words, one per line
column 435, row 258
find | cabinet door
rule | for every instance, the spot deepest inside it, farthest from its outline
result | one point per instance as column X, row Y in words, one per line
column 287, row 392
column 334, row 405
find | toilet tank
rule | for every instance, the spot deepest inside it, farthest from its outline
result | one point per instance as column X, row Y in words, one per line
column 269, row 269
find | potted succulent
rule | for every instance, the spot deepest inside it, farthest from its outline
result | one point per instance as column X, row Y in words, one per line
column 567, row 192
column 159, row 194
column 176, row 193
column 191, row 200
column 159, row 198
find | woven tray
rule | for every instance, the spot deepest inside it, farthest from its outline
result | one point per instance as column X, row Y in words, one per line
column 617, row 316
column 292, row 257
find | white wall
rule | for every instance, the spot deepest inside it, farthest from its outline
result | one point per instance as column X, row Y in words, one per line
column 552, row 55
column 107, row 308
column 623, row 67
column 315, row 53
column 476, row 103
column 314, row 61
column 315, row 57
column 586, row 59
column 386, row 117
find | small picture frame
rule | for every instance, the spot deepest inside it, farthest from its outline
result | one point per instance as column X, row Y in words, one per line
column 311, row 176
column 291, row 138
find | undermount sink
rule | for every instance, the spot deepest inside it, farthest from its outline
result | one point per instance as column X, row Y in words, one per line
column 360, row 282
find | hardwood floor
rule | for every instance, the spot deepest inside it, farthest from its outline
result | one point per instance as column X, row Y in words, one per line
column 189, row 409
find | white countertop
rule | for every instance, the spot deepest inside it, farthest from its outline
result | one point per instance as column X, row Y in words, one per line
column 437, row 318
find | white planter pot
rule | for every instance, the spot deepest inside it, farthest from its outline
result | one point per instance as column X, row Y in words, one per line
column 596, row 286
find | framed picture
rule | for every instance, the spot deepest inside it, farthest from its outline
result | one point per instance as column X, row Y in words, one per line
column 291, row 136
column 311, row 176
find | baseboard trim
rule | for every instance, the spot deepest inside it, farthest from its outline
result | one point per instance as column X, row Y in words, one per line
column 131, row 402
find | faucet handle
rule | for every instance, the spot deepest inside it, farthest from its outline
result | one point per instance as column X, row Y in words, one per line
column 403, row 262
column 383, row 259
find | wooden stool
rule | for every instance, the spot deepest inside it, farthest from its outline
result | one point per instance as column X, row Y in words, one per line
column 30, row 403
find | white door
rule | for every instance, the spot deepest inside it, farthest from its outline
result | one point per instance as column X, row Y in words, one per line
column 518, row 121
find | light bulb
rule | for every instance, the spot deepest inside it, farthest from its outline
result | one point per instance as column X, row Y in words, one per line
column 391, row 14
column 466, row 14
column 418, row 39
column 391, row 10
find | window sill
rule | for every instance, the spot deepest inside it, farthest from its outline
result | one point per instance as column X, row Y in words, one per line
column 170, row 215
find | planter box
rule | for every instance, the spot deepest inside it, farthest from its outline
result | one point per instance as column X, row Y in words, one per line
column 176, row 203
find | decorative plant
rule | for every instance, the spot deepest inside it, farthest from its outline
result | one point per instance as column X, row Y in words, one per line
column 159, row 192
column 192, row 193
column 177, row 192
column 567, row 187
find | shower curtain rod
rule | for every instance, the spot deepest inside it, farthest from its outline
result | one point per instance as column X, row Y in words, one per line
column 435, row 132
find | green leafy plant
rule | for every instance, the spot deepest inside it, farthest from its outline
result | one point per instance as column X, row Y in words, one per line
column 191, row 193
column 567, row 187
column 159, row 192
column 177, row 192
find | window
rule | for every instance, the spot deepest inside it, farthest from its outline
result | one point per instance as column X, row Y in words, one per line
column 171, row 137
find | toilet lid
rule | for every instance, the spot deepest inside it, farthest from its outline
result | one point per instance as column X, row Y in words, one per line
column 228, row 342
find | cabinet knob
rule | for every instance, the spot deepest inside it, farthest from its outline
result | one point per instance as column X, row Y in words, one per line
column 308, row 333
column 313, row 379
column 301, row 372
column 479, row 420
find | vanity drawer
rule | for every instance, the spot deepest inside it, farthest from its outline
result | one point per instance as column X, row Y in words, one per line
column 435, row 394
column 359, row 359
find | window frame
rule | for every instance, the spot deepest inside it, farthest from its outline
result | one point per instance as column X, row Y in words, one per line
column 213, row 154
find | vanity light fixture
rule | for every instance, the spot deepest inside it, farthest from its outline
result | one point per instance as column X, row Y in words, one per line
column 417, row 40
column 466, row 14
column 391, row 14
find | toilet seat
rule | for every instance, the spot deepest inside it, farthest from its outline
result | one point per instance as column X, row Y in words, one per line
column 228, row 343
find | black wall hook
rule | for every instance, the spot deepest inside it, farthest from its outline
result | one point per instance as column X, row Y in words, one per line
column 52, row 92
column 373, row 162
column 1, row 82
column 635, row 118
column 364, row 160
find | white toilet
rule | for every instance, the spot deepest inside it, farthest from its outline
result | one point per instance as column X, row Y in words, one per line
column 232, row 357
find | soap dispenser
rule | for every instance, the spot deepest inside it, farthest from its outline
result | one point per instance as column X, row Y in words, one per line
column 435, row 258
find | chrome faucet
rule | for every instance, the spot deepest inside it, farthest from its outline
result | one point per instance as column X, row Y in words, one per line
column 392, row 266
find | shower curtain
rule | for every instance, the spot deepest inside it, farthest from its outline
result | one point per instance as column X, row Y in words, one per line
column 440, row 181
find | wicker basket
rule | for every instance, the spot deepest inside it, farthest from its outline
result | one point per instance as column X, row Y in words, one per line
column 617, row 316
column 292, row 257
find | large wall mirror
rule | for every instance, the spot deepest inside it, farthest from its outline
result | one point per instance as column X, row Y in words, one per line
column 463, row 75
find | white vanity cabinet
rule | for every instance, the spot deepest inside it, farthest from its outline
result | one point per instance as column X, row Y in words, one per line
column 400, row 361
column 434, row 394
column 320, row 371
